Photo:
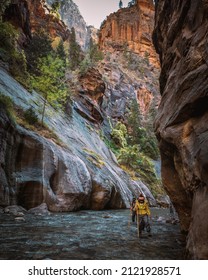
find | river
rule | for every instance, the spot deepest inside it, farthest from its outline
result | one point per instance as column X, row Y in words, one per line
column 89, row 235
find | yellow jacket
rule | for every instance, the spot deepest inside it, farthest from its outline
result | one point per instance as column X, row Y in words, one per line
column 142, row 208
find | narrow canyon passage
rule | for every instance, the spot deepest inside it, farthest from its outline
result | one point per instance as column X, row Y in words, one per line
column 89, row 235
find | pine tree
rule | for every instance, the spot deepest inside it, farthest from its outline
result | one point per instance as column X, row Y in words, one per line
column 60, row 51
column 94, row 53
column 74, row 51
column 39, row 47
column 134, row 124
column 55, row 6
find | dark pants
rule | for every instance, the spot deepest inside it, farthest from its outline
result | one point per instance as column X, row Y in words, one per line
column 146, row 223
column 133, row 216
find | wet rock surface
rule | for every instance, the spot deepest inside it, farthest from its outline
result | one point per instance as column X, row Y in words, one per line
column 88, row 235
column 76, row 174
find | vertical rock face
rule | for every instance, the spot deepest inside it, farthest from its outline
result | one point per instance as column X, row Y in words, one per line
column 34, row 171
column 131, row 26
column 18, row 14
column 81, row 174
column 70, row 14
column 42, row 18
column 181, row 39
column 32, row 16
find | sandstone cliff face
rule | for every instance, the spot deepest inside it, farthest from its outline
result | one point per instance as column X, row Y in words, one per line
column 181, row 39
column 81, row 174
column 32, row 16
column 42, row 18
column 70, row 14
column 131, row 27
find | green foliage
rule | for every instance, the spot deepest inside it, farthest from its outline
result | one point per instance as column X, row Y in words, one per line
column 55, row 6
column 138, row 134
column 91, row 58
column 55, row 9
column 30, row 116
column 60, row 52
column 9, row 52
column 135, row 148
column 111, row 145
column 146, row 58
column 8, row 36
column 3, row 5
column 85, row 65
column 129, row 156
column 94, row 158
column 75, row 55
column 132, row 159
column 95, row 54
column 118, row 134
column 7, row 103
column 18, row 68
column 51, row 81
column 39, row 47
column 134, row 123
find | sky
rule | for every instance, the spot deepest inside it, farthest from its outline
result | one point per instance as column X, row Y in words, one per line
column 95, row 11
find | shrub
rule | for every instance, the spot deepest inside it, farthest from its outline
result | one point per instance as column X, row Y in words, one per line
column 7, row 103
column 11, row 54
column 119, row 134
column 129, row 156
column 8, row 37
column 30, row 116
column 3, row 5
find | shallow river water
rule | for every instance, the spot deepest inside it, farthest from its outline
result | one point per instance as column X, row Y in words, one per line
column 91, row 235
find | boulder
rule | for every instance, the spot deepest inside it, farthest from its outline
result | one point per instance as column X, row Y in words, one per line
column 42, row 209
column 15, row 210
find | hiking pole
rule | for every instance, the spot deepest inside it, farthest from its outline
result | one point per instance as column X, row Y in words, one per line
column 138, row 224
column 129, row 220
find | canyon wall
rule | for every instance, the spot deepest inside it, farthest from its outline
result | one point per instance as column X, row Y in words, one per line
column 181, row 38
column 70, row 171
column 131, row 27
column 71, row 16
column 80, row 172
column 32, row 16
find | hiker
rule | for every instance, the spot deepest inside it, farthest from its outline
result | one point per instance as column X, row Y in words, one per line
column 143, row 212
column 133, row 212
column 120, row 4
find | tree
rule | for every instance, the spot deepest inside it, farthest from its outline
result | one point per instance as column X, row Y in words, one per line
column 60, row 51
column 134, row 124
column 39, row 47
column 74, row 51
column 120, row 4
column 138, row 134
column 129, row 156
column 118, row 134
column 55, row 6
column 12, row 54
column 51, row 81
column 94, row 53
